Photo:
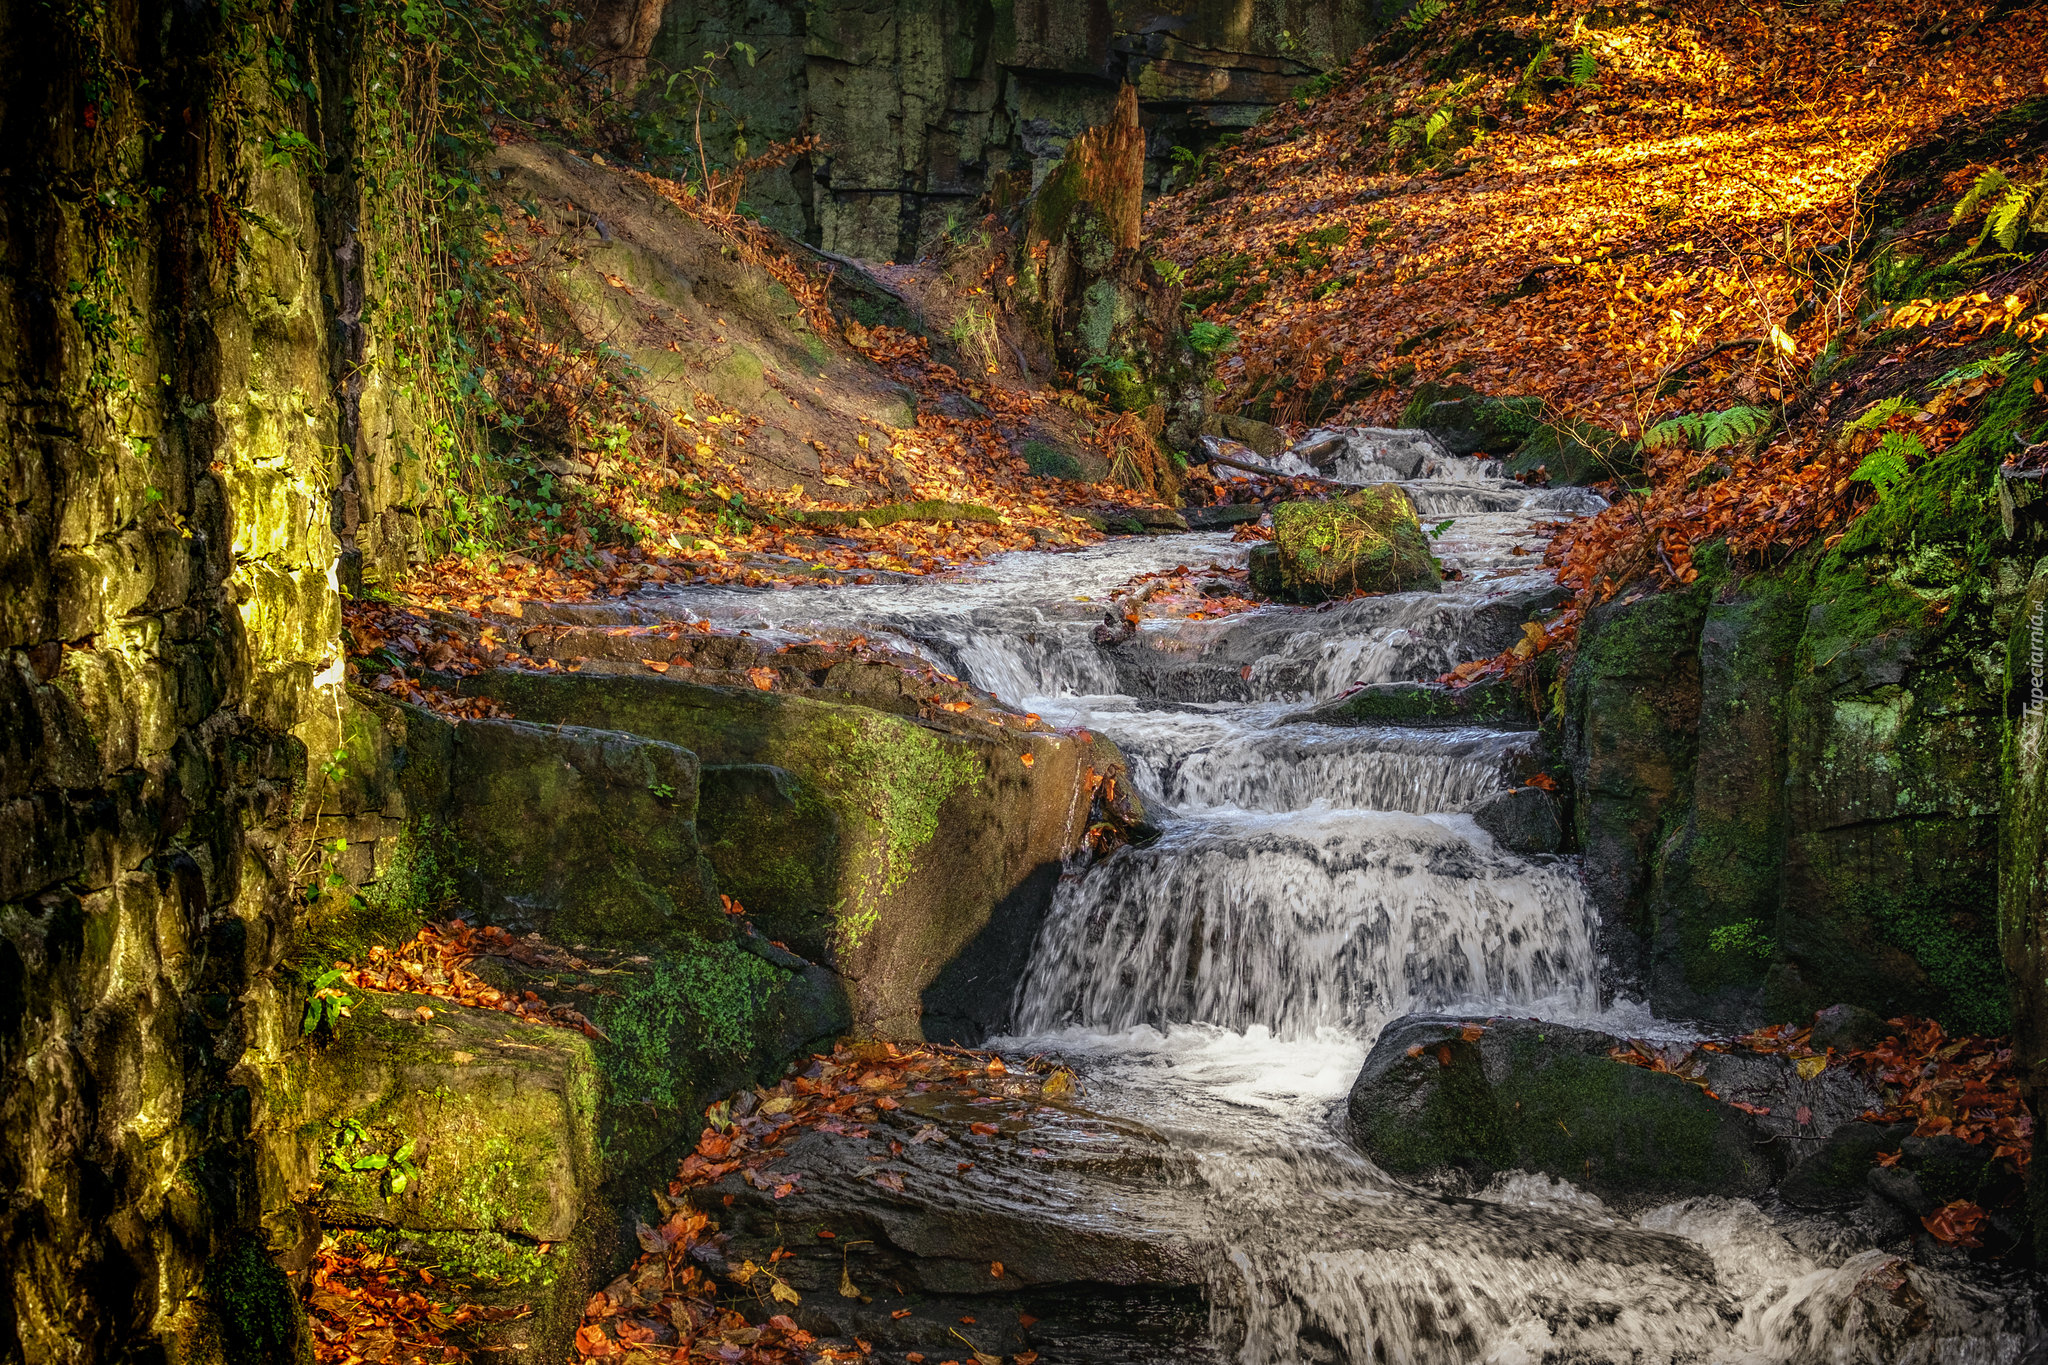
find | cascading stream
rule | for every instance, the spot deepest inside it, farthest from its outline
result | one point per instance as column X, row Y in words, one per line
column 1223, row 984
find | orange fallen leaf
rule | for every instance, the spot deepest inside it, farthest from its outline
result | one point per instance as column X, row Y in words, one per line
column 1956, row 1223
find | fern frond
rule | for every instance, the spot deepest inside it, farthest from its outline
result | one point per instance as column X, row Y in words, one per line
column 1991, row 182
column 2009, row 219
column 1711, row 430
column 1888, row 466
column 1432, row 130
column 1734, row 424
column 1585, row 66
column 1877, row 414
column 1998, row 366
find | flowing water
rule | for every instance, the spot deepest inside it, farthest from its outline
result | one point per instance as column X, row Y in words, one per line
column 1223, row 984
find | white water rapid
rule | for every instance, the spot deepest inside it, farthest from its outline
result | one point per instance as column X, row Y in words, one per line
column 1223, row 984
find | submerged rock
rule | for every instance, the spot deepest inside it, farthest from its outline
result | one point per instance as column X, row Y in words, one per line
column 1525, row 820
column 1366, row 541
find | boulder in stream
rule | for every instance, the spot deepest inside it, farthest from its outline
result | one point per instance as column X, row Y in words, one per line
column 1524, row 820
column 1443, row 1098
column 1366, row 541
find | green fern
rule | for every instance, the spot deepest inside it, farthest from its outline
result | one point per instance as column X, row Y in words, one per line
column 1585, row 69
column 1888, row 466
column 1711, row 430
column 1543, row 54
column 1423, row 14
column 1992, row 366
column 1877, row 414
column 2012, row 208
column 1434, row 129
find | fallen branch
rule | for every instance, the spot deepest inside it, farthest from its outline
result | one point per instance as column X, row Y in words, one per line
column 1270, row 472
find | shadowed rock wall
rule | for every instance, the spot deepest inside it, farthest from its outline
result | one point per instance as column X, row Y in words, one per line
column 169, row 648
column 921, row 107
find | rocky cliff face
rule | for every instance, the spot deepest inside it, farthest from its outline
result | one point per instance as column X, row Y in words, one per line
column 213, row 423
column 170, row 624
column 921, row 108
column 1788, row 785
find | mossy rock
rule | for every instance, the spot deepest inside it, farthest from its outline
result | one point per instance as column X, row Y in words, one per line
column 1574, row 453
column 1475, row 425
column 587, row 836
column 1493, row 701
column 935, row 829
column 1525, row 1095
column 501, row 1118
column 1366, row 541
column 1263, row 438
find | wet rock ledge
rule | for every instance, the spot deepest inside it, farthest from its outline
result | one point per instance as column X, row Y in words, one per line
column 1809, row 1122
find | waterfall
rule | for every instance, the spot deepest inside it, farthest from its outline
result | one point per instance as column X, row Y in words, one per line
column 1221, row 984
column 1298, row 922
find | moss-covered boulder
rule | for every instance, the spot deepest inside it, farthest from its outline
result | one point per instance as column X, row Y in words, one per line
column 1476, row 425
column 584, row 835
column 1465, row 1099
column 884, row 845
column 1365, row 541
column 455, row 1120
column 1574, row 452
column 1492, row 701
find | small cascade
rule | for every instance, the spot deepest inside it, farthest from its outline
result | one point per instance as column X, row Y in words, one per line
column 1297, row 766
column 1302, row 922
column 1221, row 985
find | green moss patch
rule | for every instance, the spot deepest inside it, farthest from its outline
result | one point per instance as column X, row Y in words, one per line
column 1367, row 541
column 928, row 510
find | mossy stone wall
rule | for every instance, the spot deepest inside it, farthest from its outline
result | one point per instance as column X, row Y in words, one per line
column 173, row 404
column 1789, row 790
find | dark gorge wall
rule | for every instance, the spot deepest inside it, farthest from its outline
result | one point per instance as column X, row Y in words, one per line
column 920, row 108
column 172, row 436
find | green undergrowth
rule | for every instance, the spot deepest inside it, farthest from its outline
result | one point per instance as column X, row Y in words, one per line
column 414, row 885
column 928, row 510
column 694, row 1013
column 487, row 1259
